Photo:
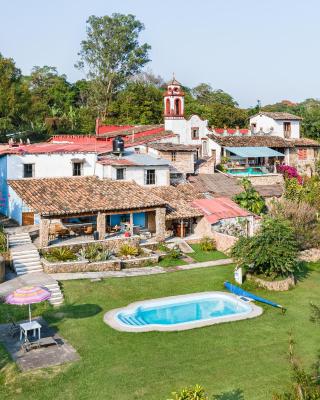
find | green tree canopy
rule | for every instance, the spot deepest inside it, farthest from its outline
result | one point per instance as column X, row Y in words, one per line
column 111, row 54
column 271, row 252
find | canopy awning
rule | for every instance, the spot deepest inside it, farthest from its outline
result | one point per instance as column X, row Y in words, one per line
column 254, row 152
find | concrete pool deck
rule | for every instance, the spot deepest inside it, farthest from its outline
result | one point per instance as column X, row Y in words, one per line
column 111, row 317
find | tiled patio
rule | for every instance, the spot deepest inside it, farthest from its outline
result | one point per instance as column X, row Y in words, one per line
column 38, row 358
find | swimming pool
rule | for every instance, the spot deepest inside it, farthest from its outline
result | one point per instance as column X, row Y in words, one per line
column 246, row 171
column 181, row 312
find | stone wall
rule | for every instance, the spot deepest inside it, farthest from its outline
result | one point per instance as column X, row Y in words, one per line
column 208, row 166
column 110, row 244
column 310, row 255
column 184, row 162
column 278, row 286
column 160, row 224
column 272, row 179
column 224, row 242
column 139, row 261
column 304, row 166
column 203, row 228
column 80, row 266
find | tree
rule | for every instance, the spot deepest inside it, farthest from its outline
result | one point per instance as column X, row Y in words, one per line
column 271, row 252
column 52, row 95
column 111, row 54
column 204, row 94
column 139, row 103
column 14, row 98
column 304, row 219
column 250, row 199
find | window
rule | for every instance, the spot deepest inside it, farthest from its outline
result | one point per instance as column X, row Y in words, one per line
column 120, row 174
column 177, row 107
column 195, row 133
column 287, row 129
column 77, row 169
column 28, row 170
column 302, row 154
column 173, row 156
column 150, row 177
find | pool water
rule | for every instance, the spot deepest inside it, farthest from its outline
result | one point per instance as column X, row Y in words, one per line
column 246, row 171
column 184, row 311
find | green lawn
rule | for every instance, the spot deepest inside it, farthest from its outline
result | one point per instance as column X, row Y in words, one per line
column 171, row 262
column 249, row 357
column 201, row 256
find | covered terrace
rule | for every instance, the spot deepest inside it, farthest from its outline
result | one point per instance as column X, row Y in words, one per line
column 89, row 205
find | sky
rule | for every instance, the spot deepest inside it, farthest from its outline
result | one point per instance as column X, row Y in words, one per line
column 252, row 49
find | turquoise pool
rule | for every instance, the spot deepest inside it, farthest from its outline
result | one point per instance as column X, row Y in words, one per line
column 246, row 171
column 181, row 312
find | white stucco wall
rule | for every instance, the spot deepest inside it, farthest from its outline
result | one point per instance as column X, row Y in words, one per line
column 266, row 123
column 49, row 165
column 137, row 174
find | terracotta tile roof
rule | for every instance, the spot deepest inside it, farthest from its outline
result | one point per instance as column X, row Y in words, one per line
column 174, row 147
column 63, row 196
column 305, row 142
column 220, row 185
column 251, row 141
column 282, row 116
column 220, row 208
column 179, row 200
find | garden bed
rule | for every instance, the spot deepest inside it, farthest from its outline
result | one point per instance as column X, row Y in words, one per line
column 280, row 285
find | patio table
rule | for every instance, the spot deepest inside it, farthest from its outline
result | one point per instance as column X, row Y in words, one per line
column 29, row 326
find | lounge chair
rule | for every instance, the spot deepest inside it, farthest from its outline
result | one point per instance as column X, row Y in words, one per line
column 13, row 329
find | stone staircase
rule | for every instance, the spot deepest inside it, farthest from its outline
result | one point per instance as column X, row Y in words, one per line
column 25, row 256
column 26, row 260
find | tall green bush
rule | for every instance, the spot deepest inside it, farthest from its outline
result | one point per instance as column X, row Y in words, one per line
column 271, row 252
column 250, row 199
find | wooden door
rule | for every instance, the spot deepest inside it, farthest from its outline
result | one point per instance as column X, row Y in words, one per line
column 28, row 218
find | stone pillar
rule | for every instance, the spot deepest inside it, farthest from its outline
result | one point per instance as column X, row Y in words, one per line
column 44, row 232
column 101, row 225
column 160, row 224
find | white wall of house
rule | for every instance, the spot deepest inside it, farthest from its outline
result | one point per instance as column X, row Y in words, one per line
column 183, row 128
column 267, row 123
column 137, row 174
column 49, row 165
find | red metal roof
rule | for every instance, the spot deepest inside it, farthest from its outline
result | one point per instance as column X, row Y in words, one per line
column 103, row 129
column 84, row 144
column 219, row 208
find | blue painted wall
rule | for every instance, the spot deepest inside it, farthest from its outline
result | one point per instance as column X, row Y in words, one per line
column 4, row 206
column 138, row 219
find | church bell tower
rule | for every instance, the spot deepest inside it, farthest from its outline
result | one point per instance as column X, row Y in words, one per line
column 173, row 101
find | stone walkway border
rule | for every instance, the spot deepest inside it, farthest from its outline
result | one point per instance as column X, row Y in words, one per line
column 138, row 271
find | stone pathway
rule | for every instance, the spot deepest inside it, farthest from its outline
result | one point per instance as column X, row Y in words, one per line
column 138, row 271
column 38, row 358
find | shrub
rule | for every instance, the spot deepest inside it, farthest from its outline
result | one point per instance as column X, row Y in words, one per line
column 104, row 255
column 163, row 247
column 128, row 250
column 3, row 240
column 60, row 254
column 191, row 393
column 92, row 251
column 303, row 218
column 250, row 199
column 175, row 253
column 289, row 172
column 271, row 252
column 207, row 244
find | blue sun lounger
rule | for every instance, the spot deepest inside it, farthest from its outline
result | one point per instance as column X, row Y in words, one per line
column 247, row 295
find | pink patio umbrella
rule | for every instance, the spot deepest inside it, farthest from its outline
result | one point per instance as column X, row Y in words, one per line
column 28, row 295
